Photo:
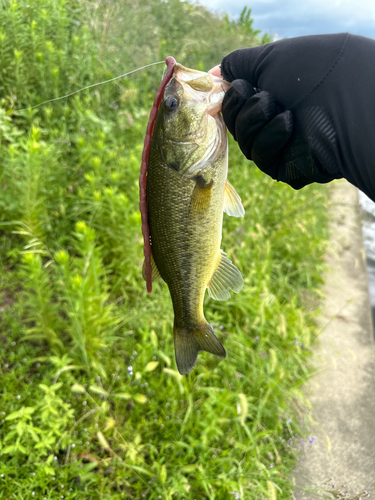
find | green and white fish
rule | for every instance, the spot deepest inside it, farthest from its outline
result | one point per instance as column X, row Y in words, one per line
column 187, row 191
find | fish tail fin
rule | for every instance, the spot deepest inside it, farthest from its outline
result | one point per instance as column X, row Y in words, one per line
column 188, row 343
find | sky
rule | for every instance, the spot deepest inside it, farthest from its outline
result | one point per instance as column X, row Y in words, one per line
column 290, row 18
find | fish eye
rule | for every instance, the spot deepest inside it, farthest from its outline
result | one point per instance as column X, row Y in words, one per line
column 171, row 103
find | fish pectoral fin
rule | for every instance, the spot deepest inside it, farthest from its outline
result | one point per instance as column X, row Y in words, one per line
column 187, row 344
column 155, row 271
column 232, row 201
column 201, row 197
column 226, row 277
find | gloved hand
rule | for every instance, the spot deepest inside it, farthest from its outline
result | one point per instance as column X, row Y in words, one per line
column 303, row 109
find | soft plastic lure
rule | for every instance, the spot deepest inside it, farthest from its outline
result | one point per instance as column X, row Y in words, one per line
column 170, row 62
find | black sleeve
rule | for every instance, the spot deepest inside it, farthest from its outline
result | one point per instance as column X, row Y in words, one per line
column 304, row 108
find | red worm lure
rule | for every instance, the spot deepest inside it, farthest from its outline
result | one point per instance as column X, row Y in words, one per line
column 170, row 62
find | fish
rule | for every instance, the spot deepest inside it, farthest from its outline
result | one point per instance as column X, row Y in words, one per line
column 186, row 193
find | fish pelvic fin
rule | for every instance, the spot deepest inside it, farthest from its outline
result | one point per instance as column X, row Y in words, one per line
column 232, row 201
column 187, row 344
column 226, row 277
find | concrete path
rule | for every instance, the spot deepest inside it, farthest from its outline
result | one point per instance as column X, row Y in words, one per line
column 343, row 392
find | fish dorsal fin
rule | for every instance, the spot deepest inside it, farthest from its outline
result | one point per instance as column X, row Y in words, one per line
column 226, row 277
column 232, row 201
column 155, row 271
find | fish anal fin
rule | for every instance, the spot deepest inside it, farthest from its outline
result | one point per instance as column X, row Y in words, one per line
column 155, row 271
column 232, row 201
column 226, row 277
column 188, row 343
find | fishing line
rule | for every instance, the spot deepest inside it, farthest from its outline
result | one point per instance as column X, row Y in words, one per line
column 90, row 86
column 164, row 70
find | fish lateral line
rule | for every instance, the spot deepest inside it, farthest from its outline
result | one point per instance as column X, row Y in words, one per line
column 90, row 86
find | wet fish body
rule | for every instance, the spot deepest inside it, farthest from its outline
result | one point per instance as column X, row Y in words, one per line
column 187, row 192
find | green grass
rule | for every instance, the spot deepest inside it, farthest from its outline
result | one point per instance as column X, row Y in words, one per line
column 75, row 420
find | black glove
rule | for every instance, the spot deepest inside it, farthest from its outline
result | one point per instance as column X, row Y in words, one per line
column 326, row 84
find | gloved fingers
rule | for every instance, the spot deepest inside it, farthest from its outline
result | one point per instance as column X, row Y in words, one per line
column 253, row 116
column 290, row 69
column 270, row 141
column 234, row 99
column 241, row 64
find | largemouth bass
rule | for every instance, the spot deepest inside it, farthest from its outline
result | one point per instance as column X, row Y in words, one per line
column 187, row 191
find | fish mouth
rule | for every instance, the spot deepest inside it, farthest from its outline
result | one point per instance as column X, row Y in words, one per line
column 199, row 80
column 202, row 87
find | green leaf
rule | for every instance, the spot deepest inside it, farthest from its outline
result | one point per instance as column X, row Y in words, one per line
column 44, row 387
column 271, row 490
column 123, row 395
column 86, row 468
column 177, row 376
column 34, row 435
column 242, row 408
column 10, row 436
column 163, row 474
column 111, row 422
column 164, row 357
column 99, row 368
column 20, row 427
column 189, row 468
column 140, row 398
column 151, row 366
column 154, row 338
column 24, row 411
column 9, row 449
column 140, row 469
column 103, row 442
column 49, row 470
column 67, row 368
column 98, row 390
column 174, row 373
column 78, row 388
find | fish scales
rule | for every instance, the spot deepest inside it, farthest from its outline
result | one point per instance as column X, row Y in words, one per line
column 185, row 239
column 187, row 190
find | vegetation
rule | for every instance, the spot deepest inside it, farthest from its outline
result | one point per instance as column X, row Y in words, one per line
column 91, row 403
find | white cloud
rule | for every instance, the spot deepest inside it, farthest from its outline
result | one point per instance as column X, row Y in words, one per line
column 296, row 17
